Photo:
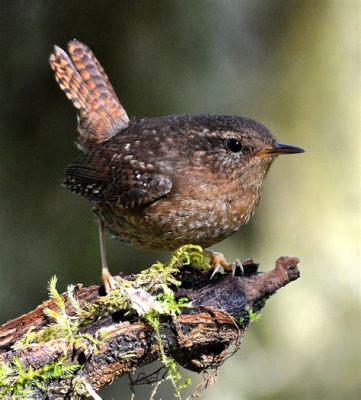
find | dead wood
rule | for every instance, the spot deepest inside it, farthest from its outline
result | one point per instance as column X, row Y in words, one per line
column 198, row 339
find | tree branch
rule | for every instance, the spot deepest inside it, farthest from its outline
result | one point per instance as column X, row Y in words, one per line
column 198, row 339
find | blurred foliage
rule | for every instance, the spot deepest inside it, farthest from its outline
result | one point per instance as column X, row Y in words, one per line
column 293, row 65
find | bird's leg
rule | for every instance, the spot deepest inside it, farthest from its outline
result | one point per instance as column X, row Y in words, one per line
column 108, row 280
column 218, row 261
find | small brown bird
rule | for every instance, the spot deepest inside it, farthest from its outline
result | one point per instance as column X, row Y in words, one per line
column 159, row 183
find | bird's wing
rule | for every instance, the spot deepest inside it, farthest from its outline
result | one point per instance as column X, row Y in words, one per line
column 83, row 80
column 104, row 175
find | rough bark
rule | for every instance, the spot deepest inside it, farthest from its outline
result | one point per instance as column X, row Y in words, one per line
column 198, row 339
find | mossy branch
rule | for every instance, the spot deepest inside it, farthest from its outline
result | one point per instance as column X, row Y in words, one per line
column 77, row 342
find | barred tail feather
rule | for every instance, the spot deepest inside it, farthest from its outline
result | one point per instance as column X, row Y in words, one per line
column 83, row 80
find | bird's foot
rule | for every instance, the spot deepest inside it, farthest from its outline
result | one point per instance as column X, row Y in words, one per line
column 218, row 261
column 108, row 281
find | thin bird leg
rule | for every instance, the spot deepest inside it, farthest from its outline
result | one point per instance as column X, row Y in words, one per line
column 108, row 280
column 218, row 261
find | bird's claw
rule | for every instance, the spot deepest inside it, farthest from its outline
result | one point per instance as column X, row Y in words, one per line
column 108, row 280
column 218, row 261
column 237, row 265
column 217, row 268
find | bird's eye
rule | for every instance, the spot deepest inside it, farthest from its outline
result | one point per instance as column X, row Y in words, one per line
column 233, row 145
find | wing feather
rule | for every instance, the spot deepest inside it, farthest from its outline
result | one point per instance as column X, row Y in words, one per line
column 105, row 175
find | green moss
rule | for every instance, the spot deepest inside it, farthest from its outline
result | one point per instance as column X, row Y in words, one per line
column 19, row 382
column 65, row 326
column 153, row 280
column 171, row 306
column 252, row 316
column 160, row 275
column 148, row 295
column 115, row 300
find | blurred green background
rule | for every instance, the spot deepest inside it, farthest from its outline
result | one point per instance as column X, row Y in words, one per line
column 293, row 65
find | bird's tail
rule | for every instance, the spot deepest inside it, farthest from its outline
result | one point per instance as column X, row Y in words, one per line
column 83, row 80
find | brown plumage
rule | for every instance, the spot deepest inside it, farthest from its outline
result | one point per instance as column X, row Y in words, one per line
column 162, row 182
column 167, row 181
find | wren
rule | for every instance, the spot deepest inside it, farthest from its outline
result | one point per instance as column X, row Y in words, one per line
column 162, row 182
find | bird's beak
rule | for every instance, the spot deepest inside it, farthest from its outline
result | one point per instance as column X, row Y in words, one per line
column 280, row 148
